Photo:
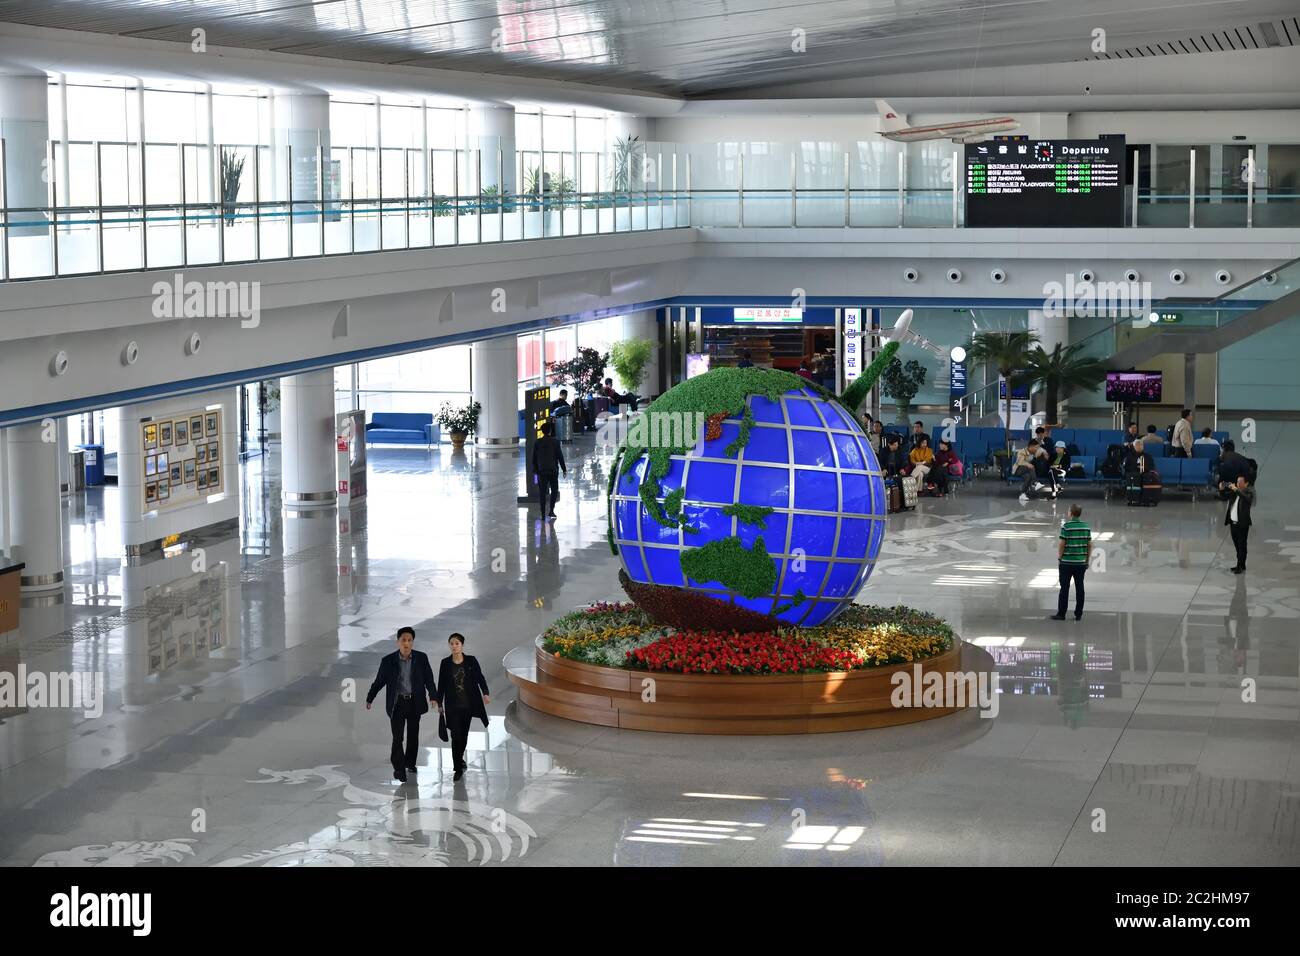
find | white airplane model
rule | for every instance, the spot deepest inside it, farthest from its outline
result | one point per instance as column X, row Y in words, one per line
column 902, row 333
column 893, row 127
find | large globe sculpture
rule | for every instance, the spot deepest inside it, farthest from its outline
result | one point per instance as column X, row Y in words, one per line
column 752, row 487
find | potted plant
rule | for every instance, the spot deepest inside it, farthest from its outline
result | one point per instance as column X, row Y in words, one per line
column 901, row 382
column 629, row 359
column 232, row 171
column 1062, row 371
column 460, row 422
column 583, row 373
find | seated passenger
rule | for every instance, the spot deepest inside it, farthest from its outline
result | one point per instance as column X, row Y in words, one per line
column 1207, row 438
column 1131, row 434
column 1232, row 465
column 892, row 461
column 947, row 461
column 1138, row 462
column 1153, row 437
column 1060, row 463
column 1024, row 468
column 923, row 466
column 615, row 398
column 561, row 406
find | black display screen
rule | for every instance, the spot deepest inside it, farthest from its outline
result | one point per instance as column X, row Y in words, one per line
column 1056, row 182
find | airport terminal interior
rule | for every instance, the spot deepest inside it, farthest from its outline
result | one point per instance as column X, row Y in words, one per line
column 726, row 397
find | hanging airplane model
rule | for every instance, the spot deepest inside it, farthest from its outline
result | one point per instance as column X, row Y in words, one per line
column 892, row 126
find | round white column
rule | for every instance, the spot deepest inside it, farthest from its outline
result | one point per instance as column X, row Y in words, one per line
column 495, row 128
column 65, row 463
column 36, row 522
column 308, row 462
column 25, row 128
column 495, row 377
column 300, row 124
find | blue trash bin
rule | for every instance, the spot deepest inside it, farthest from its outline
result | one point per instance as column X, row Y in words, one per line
column 94, row 464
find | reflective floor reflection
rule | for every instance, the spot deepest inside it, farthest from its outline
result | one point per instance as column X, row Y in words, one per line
column 231, row 733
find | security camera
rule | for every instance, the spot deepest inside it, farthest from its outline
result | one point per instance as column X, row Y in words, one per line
column 131, row 353
column 1223, row 277
column 911, row 275
column 193, row 344
column 1132, row 275
column 59, row 364
column 1087, row 90
column 998, row 276
column 954, row 275
column 1177, row 276
column 1270, row 278
column 1086, row 275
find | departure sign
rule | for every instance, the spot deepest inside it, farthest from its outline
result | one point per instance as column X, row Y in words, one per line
column 1061, row 182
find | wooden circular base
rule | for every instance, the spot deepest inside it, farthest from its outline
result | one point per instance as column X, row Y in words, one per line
column 725, row 703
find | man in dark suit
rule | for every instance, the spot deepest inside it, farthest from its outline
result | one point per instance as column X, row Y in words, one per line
column 407, row 676
column 1240, row 497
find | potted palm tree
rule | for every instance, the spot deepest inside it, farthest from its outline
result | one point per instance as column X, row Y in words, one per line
column 629, row 358
column 1009, row 353
column 460, row 422
column 1060, row 372
column 901, row 381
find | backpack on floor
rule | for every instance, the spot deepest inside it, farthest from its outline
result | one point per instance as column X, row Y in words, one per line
column 1113, row 465
column 1073, row 450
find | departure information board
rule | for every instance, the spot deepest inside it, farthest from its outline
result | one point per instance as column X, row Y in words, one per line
column 1060, row 182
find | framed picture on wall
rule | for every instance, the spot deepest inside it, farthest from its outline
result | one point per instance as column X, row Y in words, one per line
column 213, row 452
column 201, row 453
column 150, row 436
column 212, row 425
column 162, row 463
column 196, row 427
column 189, row 471
column 183, row 432
column 151, row 491
column 150, row 465
column 164, row 490
column 175, row 475
column 203, row 480
column 165, row 435
column 214, row 479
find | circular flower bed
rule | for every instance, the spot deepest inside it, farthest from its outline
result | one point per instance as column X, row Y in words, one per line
column 622, row 635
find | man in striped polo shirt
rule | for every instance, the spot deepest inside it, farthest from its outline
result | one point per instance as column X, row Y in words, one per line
column 1073, row 549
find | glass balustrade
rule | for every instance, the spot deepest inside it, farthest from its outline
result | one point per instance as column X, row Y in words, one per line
column 115, row 206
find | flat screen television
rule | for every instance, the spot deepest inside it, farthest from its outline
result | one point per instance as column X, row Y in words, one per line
column 1140, row 387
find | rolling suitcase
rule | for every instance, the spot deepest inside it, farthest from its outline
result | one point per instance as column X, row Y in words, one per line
column 1151, row 487
column 1133, row 491
column 894, row 494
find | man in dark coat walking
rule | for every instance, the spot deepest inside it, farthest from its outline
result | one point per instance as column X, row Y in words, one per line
column 548, row 460
column 1241, row 497
column 408, row 678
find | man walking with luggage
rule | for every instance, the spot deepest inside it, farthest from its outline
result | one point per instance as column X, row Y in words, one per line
column 1073, row 549
column 548, row 460
column 1242, row 498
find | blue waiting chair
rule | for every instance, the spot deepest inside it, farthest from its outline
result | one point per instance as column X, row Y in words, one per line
column 1206, row 451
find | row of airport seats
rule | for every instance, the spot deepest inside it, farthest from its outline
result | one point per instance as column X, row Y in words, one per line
column 975, row 446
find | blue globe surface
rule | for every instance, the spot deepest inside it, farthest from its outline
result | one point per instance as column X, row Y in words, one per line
column 806, row 458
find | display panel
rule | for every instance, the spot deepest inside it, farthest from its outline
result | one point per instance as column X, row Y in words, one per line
column 1061, row 183
column 1142, row 387
column 190, row 469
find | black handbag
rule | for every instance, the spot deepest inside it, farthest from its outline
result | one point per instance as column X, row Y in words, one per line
column 442, row 727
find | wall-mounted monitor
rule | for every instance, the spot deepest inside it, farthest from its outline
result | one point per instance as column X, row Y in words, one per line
column 1139, row 387
column 1054, row 183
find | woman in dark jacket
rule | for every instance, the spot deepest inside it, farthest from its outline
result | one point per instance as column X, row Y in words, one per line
column 460, row 681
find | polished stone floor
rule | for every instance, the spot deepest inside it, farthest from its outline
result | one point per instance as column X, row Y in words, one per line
column 228, row 737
